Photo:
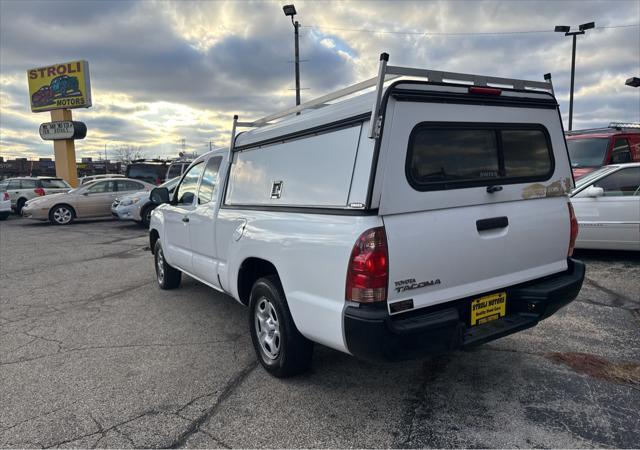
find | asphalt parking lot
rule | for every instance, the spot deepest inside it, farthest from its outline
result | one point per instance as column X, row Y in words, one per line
column 93, row 354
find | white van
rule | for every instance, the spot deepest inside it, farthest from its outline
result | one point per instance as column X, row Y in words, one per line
column 427, row 215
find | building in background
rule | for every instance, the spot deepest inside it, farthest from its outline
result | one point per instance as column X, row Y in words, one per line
column 45, row 167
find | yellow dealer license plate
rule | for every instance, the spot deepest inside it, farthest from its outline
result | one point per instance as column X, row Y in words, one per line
column 488, row 308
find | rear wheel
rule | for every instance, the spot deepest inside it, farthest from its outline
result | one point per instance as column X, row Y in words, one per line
column 4, row 215
column 61, row 215
column 167, row 276
column 19, row 205
column 280, row 347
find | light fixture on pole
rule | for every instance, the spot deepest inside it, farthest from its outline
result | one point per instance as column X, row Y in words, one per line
column 633, row 82
column 567, row 32
column 290, row 10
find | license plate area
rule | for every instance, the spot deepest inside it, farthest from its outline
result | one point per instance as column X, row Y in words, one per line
column 487, row 308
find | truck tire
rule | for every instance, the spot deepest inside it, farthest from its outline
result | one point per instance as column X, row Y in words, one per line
column 4, row 215
column 167, row 276
column 280, row 347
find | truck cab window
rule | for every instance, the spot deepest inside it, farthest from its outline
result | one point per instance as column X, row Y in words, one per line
column 209, row 181
column 621, row 152
column 189, row 185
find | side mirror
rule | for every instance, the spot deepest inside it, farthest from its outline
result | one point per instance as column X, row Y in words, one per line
column 159, row 195
column 594, row 191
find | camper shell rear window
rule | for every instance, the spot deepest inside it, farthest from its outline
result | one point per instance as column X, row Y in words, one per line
column 460, row 155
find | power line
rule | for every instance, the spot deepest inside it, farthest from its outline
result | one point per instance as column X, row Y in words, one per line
column 436, row 33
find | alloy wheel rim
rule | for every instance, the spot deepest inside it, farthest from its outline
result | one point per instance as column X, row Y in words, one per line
column 267, row 328
column 160, row 266
column 62, row 215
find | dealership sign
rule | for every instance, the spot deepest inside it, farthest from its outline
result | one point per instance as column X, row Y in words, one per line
column 61, row 86
column 67, row 129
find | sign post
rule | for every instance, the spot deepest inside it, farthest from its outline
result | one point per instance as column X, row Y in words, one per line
column 59, row 88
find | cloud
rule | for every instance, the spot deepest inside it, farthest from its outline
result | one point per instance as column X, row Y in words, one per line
column 162, row 71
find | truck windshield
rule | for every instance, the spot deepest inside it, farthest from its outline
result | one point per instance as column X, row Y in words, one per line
column 587, row 152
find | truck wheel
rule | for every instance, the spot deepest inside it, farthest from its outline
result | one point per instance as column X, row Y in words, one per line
column 167, row 276
column 280, row 347
column 4, row 215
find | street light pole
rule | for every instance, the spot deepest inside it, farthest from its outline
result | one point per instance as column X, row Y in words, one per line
column 573, row 75
column 105, row 158
column 297, row 61
column 567, row 32
column 290, row 11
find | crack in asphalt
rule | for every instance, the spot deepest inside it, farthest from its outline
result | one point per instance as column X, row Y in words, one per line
column 193, row 427
column 226, row 392
column 38, row 416
column 83, row 302
column 619, row 299
column 430, row 371
column 103, row 430
column 77, row 261
column 62, row 351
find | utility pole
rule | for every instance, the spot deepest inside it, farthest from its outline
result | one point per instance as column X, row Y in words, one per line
column 290, row 10
column 105, row 158
column 566, row 30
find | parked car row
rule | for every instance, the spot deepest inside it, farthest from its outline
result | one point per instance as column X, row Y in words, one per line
column 91, row 200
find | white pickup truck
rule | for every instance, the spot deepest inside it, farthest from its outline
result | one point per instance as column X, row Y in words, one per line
column 427, row 215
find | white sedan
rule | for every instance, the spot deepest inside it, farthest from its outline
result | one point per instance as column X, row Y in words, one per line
column 607, row 205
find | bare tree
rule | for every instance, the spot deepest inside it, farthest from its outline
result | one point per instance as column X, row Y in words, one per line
column 127, row 153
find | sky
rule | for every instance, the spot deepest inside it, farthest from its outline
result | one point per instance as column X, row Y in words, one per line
column 165, row 71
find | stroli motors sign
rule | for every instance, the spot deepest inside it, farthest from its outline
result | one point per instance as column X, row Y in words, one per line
column 66, row 129
column 61, row 86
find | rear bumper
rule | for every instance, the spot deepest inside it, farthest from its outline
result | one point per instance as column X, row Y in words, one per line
column 371, row 333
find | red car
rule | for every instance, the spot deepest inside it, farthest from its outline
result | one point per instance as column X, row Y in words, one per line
column 594, row 148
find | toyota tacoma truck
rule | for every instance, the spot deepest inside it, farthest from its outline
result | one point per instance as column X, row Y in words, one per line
column 426, row 214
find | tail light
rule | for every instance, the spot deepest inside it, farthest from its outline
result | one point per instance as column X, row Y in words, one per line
column 574, row 229
column 5, row 196
column 484, row 90
column 39, row 191
column 368, row 271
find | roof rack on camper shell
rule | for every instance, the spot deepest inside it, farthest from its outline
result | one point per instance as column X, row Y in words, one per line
column 387, row 73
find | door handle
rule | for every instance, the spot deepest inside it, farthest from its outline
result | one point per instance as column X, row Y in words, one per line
column 492, row 223
column 185, row 219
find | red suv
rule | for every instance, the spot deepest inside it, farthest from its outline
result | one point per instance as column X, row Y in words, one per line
column 590, row 149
